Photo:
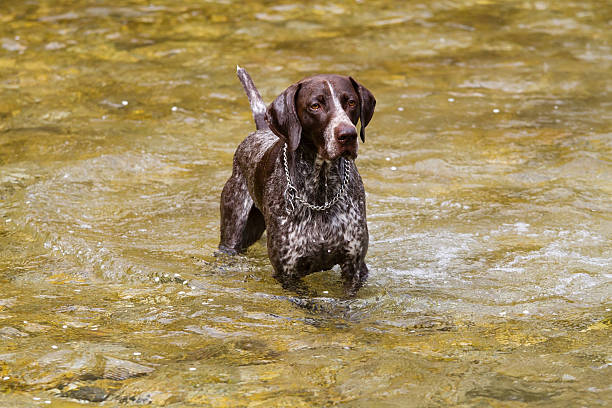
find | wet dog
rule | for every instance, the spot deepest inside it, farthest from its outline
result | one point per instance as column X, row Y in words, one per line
column 296, row 178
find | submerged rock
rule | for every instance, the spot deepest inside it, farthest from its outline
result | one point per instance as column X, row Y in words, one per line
column 57, row 366
column 116, row 369
column 9, row 333
column 154, row 398
column 92, row 394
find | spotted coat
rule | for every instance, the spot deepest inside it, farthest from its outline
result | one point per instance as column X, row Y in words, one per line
column 301, row 240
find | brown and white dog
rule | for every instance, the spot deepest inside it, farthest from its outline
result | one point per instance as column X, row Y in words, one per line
column 296, row 177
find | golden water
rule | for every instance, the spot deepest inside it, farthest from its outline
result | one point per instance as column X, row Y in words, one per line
column 487, row 167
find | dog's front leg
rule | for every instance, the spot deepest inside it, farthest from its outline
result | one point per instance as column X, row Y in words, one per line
column 354, row 275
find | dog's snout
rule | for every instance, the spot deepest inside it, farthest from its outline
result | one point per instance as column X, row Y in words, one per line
column 345, row 134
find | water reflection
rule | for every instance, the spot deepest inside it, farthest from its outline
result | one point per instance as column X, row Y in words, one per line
column 487, row 172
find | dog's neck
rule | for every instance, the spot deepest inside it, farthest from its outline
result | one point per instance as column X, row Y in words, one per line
column 317, row 179
column 311, row 167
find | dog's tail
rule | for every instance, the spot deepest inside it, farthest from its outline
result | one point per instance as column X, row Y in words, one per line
column 257, row 104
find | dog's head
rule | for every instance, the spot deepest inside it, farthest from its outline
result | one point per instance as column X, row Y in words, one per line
column 323, row 110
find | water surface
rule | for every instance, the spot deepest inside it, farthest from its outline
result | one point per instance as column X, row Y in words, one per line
column 488, row 174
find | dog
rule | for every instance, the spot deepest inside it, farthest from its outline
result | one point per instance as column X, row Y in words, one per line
column 295, row 177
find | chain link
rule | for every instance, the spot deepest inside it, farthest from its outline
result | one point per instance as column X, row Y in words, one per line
column 291, row 192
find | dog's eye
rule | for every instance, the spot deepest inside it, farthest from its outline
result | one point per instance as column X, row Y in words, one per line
column 315, row 106
column 351, row 103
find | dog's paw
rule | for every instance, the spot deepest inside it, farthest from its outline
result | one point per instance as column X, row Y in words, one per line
column 225, row 251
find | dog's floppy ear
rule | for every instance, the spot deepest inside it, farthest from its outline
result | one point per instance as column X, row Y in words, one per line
column 367, row 102
column 283, row 119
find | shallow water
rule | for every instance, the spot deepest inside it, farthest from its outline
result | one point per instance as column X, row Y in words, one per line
column 487, row 167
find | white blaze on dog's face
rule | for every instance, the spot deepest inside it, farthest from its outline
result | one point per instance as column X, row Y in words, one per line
column 328, row 110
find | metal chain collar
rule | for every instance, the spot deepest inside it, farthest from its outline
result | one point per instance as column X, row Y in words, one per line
column 291, row 192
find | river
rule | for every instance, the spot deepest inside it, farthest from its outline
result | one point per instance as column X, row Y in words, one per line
column 488, row 174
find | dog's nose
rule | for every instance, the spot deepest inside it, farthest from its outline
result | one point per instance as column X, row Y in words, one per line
column 346, row 134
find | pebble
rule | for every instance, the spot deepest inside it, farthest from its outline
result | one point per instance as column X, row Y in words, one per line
column 92, row 394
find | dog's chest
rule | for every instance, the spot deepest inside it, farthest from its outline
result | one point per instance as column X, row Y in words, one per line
column 323, row 239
